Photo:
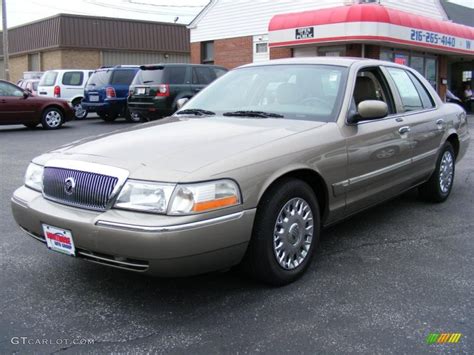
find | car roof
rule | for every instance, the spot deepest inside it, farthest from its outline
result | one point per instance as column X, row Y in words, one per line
column 338, row 61
column 181, row 64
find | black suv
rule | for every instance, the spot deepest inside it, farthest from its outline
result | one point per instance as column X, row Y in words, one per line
column 156, row 88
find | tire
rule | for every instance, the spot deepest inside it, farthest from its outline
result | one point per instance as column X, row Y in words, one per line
column 53, row 118
column 438, row 187
column 134, row 117
column 108, row 117
column 31, row 125
column 262, row 258
column 79, row 112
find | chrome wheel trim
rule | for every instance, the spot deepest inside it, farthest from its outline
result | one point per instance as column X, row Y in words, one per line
column 79, row 111
column 446, row 172
column 293, row 233
column 53, row 119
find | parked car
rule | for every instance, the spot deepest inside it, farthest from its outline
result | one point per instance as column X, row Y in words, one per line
column 19, row 106
column 29, row 84
column 248, row 171
column 66, row 84
column 156, row 89
column 107, row 90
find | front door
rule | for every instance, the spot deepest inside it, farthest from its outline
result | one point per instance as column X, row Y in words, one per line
column 13, row 107
column 379, row 151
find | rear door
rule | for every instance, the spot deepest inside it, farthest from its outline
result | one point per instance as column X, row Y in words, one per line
column 178, row 79
column 72, row 84
column 424, row 121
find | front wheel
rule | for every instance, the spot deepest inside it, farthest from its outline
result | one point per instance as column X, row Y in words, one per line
column 53, row 118
column 440, row 184
column 285, row 234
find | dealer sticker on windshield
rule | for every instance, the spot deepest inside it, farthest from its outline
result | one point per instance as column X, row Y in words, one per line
column 59, row 239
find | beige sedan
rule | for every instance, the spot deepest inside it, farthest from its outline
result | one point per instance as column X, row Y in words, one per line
column 248, row 171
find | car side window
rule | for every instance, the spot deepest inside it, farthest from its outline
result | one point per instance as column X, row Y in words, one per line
column 426, row 98
column 203, row 75
column 219, row 72
column 371, row 85
column 73, row 78
column 176, row 75
column 10, row 90
column 411, row 100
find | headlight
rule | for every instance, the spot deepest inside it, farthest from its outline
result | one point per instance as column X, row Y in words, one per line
column 145, row 196
column 34, row 177
column 203, row 197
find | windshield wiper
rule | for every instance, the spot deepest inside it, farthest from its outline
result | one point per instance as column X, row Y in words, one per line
column 261, row 114
column 148, row 81
column 196, row 112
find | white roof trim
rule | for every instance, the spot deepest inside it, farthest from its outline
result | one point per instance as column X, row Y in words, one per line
column 204, row 11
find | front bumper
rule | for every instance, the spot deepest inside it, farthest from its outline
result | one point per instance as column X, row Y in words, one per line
column 159, row 245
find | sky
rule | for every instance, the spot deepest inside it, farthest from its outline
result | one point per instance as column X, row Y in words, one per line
column 23, row 11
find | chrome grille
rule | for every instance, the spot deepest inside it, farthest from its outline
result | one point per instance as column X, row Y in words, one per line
column 91, row 191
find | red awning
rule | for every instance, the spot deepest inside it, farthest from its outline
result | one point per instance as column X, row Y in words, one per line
column 369, row 13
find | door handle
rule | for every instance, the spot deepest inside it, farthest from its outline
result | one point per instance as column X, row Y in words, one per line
column 404, row 129
column 3, row 101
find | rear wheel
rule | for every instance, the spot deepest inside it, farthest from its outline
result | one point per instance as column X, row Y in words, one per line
column 79, row 111
column 108, row 117
column 134, row 117
column 285, row 234
column 440, row 184
column 53, row 118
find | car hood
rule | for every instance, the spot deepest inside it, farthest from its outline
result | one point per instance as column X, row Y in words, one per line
column 173, row 147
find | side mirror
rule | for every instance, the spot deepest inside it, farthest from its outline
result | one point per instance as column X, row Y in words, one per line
column 181, row 102
column 369, row 110
column 26, row 93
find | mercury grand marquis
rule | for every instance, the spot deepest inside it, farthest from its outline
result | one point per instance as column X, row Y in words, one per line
column 248, row 171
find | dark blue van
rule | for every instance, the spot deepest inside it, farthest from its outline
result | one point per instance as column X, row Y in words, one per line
column 106, row 91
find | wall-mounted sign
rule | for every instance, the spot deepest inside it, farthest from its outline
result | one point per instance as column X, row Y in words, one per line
column 304, row 33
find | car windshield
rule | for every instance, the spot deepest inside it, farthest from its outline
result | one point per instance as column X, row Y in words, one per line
column 304, row 92
column 49, row 78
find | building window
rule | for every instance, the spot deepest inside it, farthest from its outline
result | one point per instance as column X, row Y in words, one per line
column 261, row 48
column 466, row 75
column 332, row 51
column 207, row 52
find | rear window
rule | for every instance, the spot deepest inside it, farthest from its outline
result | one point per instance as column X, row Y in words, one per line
column 122, row 77
column 149, row 77
column 49, row 78
column 99, row 78
column 73, row 78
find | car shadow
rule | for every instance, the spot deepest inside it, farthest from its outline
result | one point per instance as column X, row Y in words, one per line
column 334, row 240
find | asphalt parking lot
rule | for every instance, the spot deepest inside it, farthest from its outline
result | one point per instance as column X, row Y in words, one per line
column 380, row 283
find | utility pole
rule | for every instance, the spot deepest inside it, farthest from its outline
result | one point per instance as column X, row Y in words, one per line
column 5, row 40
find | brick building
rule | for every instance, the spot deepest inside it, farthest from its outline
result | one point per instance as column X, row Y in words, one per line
column 85, row 42
column 419, row 33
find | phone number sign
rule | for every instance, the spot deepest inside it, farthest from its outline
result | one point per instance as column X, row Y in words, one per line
column 439, row 39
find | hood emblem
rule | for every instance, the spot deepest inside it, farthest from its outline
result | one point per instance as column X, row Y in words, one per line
column 69, row 185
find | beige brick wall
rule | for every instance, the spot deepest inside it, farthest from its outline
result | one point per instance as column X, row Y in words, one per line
column 80, row 59
column 51, row 60
column 17, row 66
